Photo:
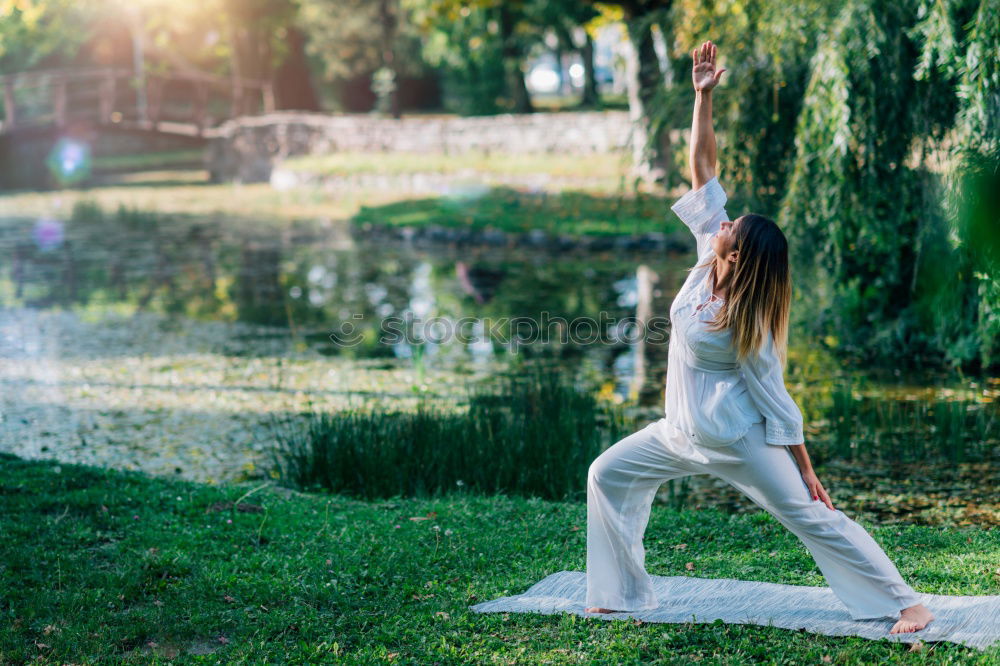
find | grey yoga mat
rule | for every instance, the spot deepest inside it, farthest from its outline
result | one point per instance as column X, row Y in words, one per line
column 968, row 620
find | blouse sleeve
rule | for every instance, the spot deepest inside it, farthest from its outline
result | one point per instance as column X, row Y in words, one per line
column 765, row 382
column 703, row 211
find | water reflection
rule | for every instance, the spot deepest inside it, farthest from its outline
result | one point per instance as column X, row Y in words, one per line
column 306, row 282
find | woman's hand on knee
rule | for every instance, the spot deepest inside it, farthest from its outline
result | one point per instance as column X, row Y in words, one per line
column 816, row 489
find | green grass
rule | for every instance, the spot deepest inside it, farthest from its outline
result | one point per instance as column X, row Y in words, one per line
column 106, row 566
column 609, row 166
column 158, row 160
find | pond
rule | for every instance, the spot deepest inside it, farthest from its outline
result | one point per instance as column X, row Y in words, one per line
column 164, row 342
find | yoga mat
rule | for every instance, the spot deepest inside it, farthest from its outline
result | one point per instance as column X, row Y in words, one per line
column 968, row 620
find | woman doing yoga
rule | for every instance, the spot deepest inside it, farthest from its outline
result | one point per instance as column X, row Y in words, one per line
column 727, row 411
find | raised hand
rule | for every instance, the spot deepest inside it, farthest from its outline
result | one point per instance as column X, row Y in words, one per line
column 703, row 73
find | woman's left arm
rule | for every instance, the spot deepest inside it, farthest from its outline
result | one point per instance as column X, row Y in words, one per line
column 764, row 377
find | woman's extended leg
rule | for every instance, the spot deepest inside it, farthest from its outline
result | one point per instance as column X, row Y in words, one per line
column 621, row 485
column 855, row 566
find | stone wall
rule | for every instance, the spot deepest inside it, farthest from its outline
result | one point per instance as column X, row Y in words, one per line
column 246, row 149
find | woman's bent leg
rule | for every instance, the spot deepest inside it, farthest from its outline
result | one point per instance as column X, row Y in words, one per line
column 854, row 565
column 621, row 485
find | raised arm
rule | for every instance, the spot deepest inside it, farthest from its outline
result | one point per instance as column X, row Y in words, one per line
column 705, row 77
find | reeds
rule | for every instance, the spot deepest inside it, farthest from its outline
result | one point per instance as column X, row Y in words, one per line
column 531, row 434
column 892, row 429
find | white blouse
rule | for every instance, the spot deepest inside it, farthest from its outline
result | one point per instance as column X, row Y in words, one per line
column 711, row 396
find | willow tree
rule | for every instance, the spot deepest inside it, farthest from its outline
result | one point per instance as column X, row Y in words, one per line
column 767, row 47
column 961, row 46
column 864, row 209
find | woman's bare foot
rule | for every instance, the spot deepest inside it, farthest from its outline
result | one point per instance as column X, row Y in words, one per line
column 597, row 609
column 913, row 618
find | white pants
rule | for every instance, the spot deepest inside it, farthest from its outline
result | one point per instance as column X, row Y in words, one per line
column 622, row 483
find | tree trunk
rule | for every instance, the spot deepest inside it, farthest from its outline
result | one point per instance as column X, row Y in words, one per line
column 236, row 71
column 677, row 74
column 293, row 88
column 590, row 98
column 512, row 61
column 389, row 22
column 644, row 80
column 557, row 53
column 677, row 69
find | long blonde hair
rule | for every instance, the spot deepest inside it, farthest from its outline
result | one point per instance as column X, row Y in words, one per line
column 759, row 289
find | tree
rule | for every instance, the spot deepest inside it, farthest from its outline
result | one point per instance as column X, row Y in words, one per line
column 864, row 210
column 355, row 39
column 566, row 18
column 266, row 44
column 767, row 47
column 475, row 43
column 961, row 54
column 253, row 40
column 651, row 158
column 36, row 32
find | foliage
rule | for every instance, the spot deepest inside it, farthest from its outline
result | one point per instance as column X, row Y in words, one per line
column 33, row 32
column 464, row 43
column 974, row 206
column 346, row 38
column 766, row 46
column 481, row 46
column 843, row 128
column 864, row 213
column 972, row 64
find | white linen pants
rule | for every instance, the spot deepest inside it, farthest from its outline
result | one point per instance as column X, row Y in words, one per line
column 622, row 483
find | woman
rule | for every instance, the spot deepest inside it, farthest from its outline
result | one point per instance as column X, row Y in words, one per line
column 728, row 412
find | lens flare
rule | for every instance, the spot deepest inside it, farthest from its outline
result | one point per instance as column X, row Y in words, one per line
column 69, row 161
column 48, row 233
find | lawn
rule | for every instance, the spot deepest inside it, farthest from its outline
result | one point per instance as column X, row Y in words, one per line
column 103, row 565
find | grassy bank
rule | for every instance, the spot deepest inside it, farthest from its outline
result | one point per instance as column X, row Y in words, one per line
column 515, row 211
column 189, row 193
column 603, row 203
column 101, row 565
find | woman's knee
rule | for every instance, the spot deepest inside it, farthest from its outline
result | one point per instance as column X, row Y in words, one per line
column 600, row 469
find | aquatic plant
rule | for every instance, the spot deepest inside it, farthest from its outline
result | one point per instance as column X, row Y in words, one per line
column 527, row 433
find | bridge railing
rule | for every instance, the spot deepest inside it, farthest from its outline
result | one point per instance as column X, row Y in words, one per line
column 110, row 95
